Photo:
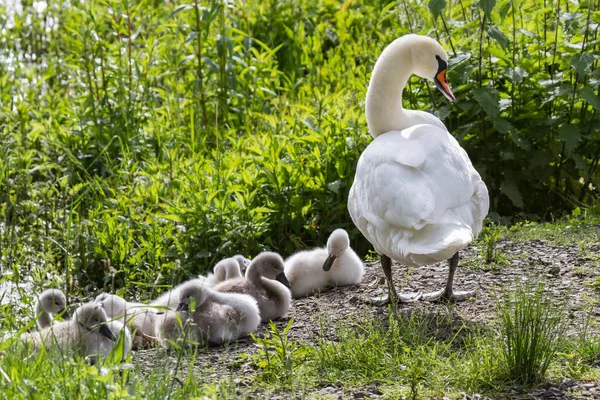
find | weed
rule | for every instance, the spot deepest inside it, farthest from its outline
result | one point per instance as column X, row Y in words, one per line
column 532, row 327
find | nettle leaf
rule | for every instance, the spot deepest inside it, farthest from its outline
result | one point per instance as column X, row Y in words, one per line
column 588, row 95
column 436, row 7
column 488, row 99
column 517, row 74
column 502, row 125
column 511, row 190
column 582, row 62
column 496, row 33
column 571, row 136
column 487, row 6
column 460, row 58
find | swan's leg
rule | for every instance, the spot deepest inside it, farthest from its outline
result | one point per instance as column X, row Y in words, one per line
column 447, row 293
column 392, row 296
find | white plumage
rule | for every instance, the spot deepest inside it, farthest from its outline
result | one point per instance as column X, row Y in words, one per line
column 306, row 270
column 416, row 196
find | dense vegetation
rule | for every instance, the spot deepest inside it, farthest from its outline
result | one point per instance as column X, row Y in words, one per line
column 141, row 141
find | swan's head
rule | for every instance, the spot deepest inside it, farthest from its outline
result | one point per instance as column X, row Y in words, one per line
column 192, row 295
column 430, row 61
column 269, row 265
column 91, row 317
column 54, row 302
column 113, row 305
column 242, row 261
column 337, row 243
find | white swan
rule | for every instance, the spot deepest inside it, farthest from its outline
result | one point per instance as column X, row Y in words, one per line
column 314, row 270
column 138, row 317
column 84, row 333
column 265, row 281
column 212, row 316
column 50, row 302
column 416, row 196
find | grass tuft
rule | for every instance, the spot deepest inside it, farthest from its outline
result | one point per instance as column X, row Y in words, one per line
column 532, row 327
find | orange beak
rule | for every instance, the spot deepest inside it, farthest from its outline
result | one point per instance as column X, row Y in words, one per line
column 441, row 82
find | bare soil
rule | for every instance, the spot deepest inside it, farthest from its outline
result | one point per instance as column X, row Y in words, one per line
column 567, row 270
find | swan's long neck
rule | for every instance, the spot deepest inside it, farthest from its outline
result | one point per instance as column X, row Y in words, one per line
column 384, row 96
column 43, row 318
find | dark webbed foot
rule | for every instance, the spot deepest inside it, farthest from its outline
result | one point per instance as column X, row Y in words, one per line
column 447, row 293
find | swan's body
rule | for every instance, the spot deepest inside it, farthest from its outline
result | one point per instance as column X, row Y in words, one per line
column 314, row 270
column 416, row 196
column 211, row 316
column 138, row 317
column 84, row 333
column 49, row 303
column 265, row 281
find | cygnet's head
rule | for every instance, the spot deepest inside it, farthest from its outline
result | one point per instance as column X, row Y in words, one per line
column 192, row 295
column 430, row 61
column 269, row 265
column 91, row 317
column 113, row 305
column 242, row 261
column 337, row 243
column 54, row 302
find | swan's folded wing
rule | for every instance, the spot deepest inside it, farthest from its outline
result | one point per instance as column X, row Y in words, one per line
column 391, row 188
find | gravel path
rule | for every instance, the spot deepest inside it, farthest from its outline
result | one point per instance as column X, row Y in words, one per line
column 568, row 272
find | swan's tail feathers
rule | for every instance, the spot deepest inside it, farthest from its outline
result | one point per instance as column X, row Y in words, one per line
column 436, row 243
column 481, row 204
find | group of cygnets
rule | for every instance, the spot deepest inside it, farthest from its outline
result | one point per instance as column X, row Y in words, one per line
column 221, row 307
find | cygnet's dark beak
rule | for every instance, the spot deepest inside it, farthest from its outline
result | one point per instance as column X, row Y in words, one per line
column 64, row 314
column 105, row 330
column 183, row 307
column 441, row 81
column 329, row 262
column 282, row 278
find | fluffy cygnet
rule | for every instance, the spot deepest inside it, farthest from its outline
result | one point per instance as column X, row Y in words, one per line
column 138, row 317
column 265, row 281
column 228, row 268
column 315, row 270
column 210, row 316
column 170, row 299
column 51, row 302
column 83, row 333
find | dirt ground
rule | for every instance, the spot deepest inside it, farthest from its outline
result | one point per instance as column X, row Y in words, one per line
column 568, row 272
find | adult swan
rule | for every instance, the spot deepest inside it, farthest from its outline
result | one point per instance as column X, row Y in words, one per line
column 416, row 196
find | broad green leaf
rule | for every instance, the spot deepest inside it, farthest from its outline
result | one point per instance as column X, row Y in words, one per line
column 436, row 7
column 571, row 136
column 588, row 95
column 487, row 6
column 581, row 63
column 502, row 124
column 460, row 58
column 488, row 99
column 496, row 33
column 511, row 190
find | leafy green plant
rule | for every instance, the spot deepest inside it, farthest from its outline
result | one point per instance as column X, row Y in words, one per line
column 490, row 252
column 532, row 327
column 278, row 357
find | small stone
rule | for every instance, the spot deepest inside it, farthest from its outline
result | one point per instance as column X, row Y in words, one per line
column 554, row 271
